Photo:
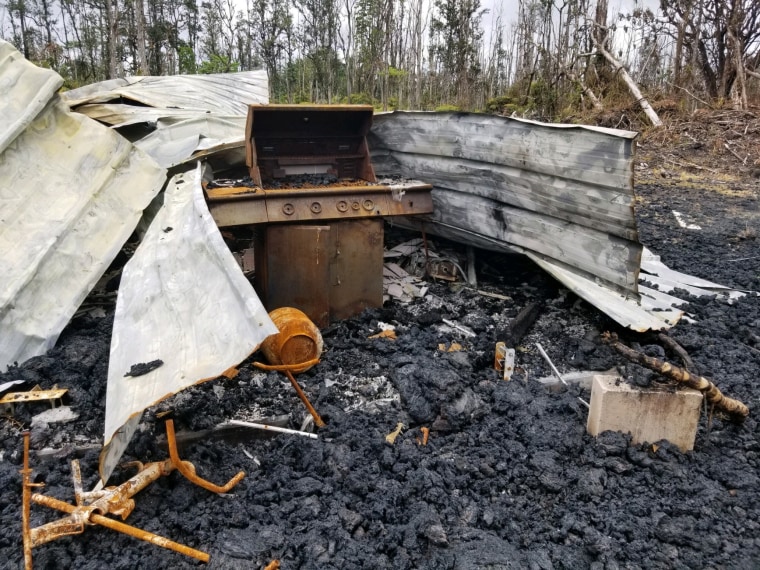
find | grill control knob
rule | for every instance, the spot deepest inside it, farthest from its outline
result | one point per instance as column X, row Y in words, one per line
column 288, row 209
column 316, row 207
column 368, row 205
column 342, row 206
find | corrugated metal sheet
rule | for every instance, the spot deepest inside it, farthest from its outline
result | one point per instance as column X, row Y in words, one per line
column 25, row 90
column 223, row 93
column 72, row 192
column 565, row 193
column 561, row 194
column 173, row 291
column 668, row 280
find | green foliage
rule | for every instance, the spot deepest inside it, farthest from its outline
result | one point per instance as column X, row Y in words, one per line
column 501, row 105
column 357, row 99
column 186, row 58
column 218, row 64
column 447, row 108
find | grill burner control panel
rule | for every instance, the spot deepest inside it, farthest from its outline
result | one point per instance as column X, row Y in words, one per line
column 243, row 206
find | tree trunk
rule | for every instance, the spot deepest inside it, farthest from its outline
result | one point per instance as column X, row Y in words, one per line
column 142, row 58
column 740, row 85
column 586, row 91
column 112, row 21
column 633, row 88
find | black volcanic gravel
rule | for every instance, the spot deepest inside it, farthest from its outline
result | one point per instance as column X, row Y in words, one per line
column 509, row 478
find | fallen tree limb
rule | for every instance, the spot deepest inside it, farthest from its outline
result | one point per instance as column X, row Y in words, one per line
column 736, row 410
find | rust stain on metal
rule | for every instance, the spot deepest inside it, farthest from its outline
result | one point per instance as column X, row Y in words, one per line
column 356, row 268
column 298, row 344
column 292, row 269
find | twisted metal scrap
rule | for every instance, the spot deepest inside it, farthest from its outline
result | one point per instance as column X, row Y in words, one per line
column 736, row 410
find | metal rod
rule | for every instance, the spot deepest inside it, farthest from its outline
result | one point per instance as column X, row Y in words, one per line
column 26, row 505
column 123, row 528
column 284, row 367
column 304, row 399
column 551, row 364
column 272, row 428
column 461, row 329
column 76, row 476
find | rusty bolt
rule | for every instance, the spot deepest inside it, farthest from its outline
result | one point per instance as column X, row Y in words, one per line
column 342, row 206
column 288, row 209
column 316, row 207
column 368, row 205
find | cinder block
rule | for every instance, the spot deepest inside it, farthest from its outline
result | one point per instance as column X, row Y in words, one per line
column 648, row 415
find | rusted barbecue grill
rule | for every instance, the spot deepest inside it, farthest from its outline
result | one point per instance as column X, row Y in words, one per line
column 317, row 208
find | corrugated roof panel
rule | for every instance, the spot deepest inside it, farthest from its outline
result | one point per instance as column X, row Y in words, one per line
column 175, row 142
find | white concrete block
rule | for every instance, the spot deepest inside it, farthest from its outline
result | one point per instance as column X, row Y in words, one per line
column 649, row 415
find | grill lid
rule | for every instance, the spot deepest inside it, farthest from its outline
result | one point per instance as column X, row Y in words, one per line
column 293, row 140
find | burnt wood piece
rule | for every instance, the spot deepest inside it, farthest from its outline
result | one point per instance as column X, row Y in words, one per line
column 522, row 322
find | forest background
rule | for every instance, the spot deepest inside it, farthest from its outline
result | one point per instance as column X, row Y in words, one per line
column 545, row 59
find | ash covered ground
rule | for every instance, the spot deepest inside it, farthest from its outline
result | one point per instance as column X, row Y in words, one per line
column 509, row 477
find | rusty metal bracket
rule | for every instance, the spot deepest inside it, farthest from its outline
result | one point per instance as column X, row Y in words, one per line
column 92, row 508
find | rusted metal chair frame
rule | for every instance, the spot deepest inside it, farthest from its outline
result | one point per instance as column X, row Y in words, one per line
column 91, row 508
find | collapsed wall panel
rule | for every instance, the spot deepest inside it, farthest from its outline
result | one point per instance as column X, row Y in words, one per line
column 564, row 192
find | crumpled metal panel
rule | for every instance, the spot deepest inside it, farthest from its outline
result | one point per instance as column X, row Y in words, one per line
column 119, row 115
column 223, row 93
column 175, row 143
column 25, row 90
column 562, row 194
column 182, row 300
column 639, row 314
column 72, row 192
